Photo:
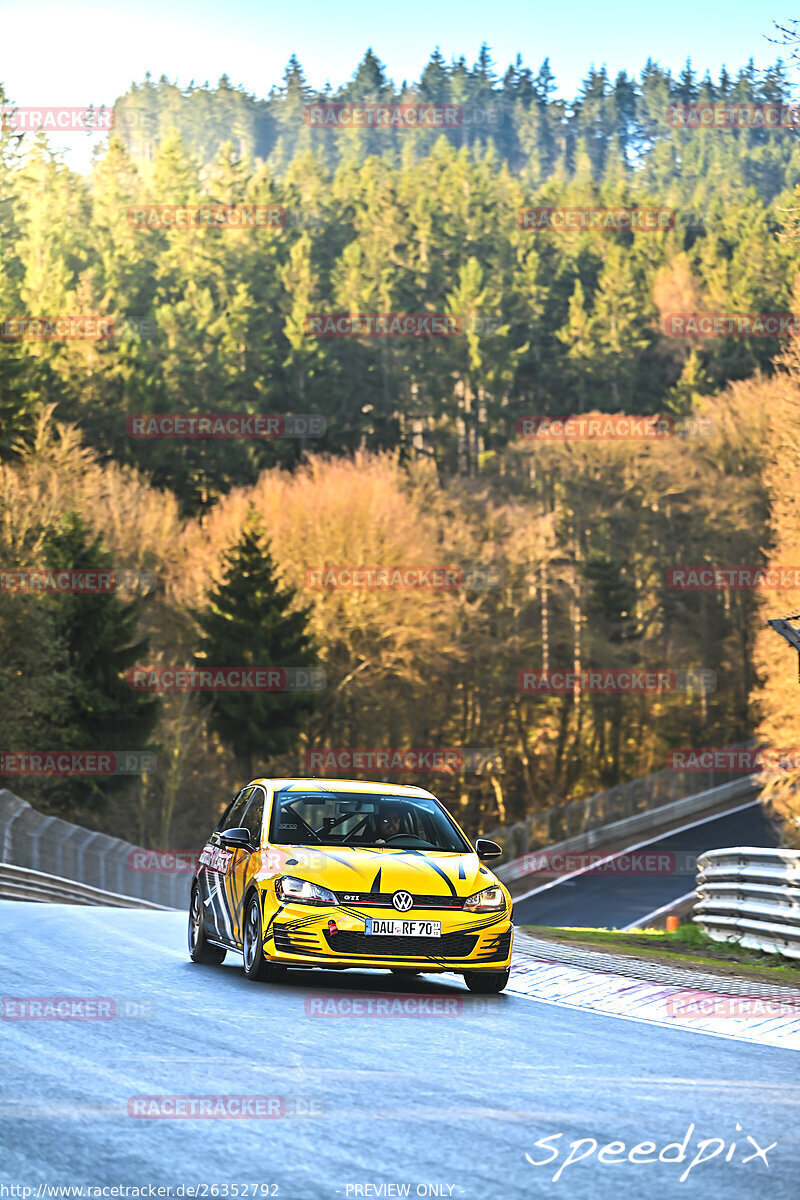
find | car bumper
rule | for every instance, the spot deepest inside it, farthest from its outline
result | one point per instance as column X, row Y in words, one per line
column 299, row 935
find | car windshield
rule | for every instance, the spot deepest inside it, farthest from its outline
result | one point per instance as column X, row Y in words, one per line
column 303, row 818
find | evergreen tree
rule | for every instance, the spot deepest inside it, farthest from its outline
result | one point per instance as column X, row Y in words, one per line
column 99, row 634
column 250, row 621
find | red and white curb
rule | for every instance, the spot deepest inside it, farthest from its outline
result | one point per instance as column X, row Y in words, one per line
column 763, row 1020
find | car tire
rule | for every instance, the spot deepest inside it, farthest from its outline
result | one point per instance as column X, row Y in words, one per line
column 200, row 949
column 256, row 966
column 486, row 981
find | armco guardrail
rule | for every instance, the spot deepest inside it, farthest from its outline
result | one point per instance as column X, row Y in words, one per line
column 752, row 896
column 65, row 851
column 566, row 821
column 638, row 826
column 18, row 883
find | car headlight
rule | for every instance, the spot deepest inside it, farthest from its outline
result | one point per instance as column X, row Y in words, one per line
column 287, row 888
column 489, row 900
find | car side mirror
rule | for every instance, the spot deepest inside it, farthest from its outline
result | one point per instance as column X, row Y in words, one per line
column 486, row 849
column 237, row 839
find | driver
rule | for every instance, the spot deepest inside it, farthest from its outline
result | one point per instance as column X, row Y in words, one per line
column 389, row 823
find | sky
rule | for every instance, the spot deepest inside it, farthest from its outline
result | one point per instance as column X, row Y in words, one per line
column 77, row 53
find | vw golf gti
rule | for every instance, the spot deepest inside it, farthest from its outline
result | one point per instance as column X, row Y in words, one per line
column 344, row 873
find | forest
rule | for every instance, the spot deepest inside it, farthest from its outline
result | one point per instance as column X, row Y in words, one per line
column 417, row 451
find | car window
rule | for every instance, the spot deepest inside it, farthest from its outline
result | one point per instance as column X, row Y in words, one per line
column 234, row 815
column 255, row 814
column 357, row 819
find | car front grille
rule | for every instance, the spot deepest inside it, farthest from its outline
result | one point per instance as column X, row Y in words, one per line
column 384, row 900
column 450, row 945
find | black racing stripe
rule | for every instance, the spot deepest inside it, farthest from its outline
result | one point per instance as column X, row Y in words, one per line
column 216, row 907
column 301, row 922
column 376, row 883
column 268, row 931
column 227, row 899
column 237, row 901
column 336, row 858
column 486, row 924
column 434, row 867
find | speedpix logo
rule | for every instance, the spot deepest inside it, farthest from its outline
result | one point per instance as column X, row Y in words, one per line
column 616, row 1153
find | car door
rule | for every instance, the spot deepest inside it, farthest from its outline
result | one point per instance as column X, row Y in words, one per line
column 246, row 863
column 218, row 863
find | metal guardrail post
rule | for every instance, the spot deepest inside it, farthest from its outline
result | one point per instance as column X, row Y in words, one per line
column 11, row 808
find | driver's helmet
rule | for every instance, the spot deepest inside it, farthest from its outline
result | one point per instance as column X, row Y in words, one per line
column 390, row 820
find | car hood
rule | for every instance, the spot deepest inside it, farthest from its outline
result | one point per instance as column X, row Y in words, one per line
column 355, row 871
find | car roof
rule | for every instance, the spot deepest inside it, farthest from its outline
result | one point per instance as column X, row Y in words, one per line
column 368, row 786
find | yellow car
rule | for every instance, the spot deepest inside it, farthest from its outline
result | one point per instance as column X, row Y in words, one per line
column 341, row 873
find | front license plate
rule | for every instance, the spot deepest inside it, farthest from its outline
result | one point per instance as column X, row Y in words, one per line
column 379, row 926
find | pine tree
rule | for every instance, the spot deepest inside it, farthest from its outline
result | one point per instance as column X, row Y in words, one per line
column 250, row 621
column 99, row 632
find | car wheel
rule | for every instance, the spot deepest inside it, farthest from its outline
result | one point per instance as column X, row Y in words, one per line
column 256, row 966
column 486, row 981
column 200, row 949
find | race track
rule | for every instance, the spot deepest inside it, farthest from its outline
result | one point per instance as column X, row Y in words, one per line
column 603, row 899
column 442, row 1106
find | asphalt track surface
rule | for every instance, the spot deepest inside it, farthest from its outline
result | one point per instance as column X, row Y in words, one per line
column 602, row 899
column 436, row 1106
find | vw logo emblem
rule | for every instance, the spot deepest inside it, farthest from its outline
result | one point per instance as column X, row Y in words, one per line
column 402, row 901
